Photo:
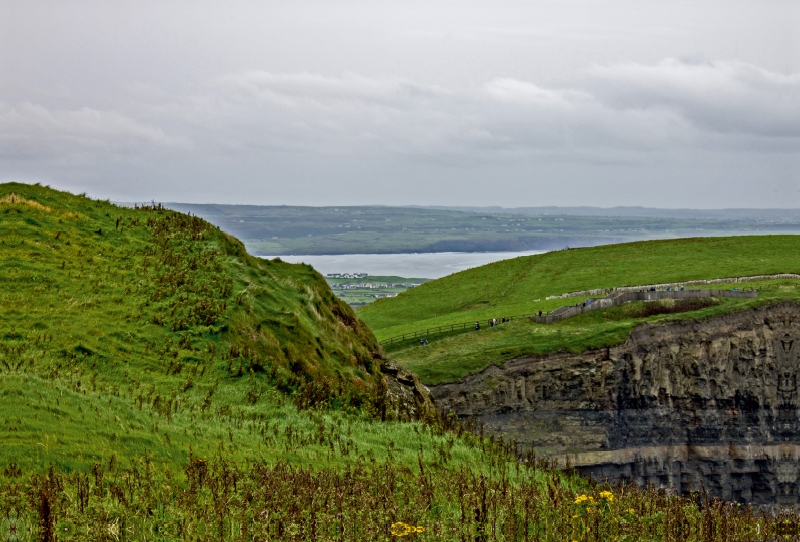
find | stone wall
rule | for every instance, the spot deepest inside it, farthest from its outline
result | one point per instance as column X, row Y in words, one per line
column 685, row 284
column 618, row 298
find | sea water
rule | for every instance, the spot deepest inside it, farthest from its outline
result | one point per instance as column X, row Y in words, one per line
column 429, row 266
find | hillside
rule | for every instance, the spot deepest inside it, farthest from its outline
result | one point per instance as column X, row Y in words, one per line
column 521, row 286
column 124, row 330
column 160, row 384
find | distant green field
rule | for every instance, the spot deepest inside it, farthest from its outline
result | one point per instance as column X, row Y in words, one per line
column 521, row 285
column 283, row 230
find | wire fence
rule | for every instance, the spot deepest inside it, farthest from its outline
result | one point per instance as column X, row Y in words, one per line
column 463, row 326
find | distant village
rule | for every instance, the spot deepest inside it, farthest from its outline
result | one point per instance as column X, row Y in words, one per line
column 362, row 285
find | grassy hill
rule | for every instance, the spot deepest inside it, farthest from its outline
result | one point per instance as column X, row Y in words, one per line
column 157, row 383
column 122, row 329
column 521, row 286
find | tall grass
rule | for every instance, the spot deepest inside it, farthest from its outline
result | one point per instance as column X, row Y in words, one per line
column 219, row 500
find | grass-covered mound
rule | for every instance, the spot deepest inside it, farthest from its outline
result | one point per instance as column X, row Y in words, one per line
column 521, row 286
column 124, row 330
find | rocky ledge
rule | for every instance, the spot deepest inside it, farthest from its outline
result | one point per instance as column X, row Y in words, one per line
column 711, row 402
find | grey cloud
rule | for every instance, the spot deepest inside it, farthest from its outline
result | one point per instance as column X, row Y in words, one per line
column 28, row 129
column 630, row 107
column 627, row 108
column 349, row 87
column 725, row 96
column 527, row 93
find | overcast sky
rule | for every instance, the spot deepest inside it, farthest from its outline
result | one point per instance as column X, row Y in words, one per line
column 569, row 102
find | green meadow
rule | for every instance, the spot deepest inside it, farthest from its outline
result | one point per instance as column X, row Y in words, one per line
column 521, row 285
column 451, row 356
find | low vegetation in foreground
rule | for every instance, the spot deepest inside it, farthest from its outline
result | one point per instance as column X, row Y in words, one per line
column 218, row 500
column 157, row 383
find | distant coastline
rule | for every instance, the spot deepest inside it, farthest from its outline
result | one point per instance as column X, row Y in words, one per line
column 425, row 265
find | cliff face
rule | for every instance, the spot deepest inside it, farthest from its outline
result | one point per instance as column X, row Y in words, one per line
column 713, row 402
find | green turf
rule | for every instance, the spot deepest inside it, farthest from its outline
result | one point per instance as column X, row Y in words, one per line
column 521, row 286
column 451, row 356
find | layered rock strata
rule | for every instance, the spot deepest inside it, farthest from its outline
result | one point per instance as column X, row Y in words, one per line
column 711, row 403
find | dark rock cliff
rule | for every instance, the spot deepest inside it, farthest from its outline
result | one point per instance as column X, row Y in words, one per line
column 712, row 403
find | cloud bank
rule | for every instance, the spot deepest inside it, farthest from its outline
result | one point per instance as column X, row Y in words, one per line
column 628, row 107
column 421, row 105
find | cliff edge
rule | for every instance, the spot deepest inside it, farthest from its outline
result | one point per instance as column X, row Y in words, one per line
column 710, row 403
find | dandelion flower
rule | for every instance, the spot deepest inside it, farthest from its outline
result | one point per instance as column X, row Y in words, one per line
column 607, row 495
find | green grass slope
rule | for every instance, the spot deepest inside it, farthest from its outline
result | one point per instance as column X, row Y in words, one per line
column 521, row 285
column 450, row 357
column 131, row 331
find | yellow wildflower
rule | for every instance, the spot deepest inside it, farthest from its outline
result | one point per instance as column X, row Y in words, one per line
column 404, row 529
column 400, row 529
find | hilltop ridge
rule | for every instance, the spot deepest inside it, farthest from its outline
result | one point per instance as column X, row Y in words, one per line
column 114, row 318
column 522, row 285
